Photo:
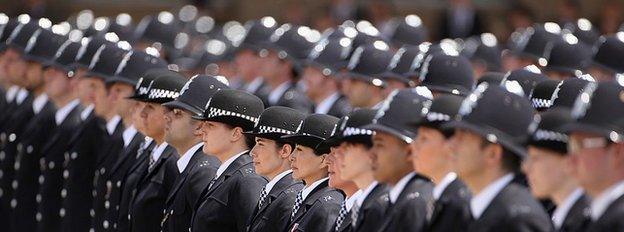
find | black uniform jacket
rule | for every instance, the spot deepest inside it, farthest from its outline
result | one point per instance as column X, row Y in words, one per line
column 147, row 208
column 319, row 210
column 451, row 211
column 187, row 189
column 373, row 209
column 412, row 208
column 513, row 209
column 228, row 205
column 611, row 219
column 275, row 211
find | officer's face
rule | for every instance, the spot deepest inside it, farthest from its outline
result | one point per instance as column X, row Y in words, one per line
column 180, row 128
column 390, row 158
column 600, row 74
column 313, row 80
column 136, row 115
column 594, row 161
column 268, row 157
column 393, row 85
column 306, row 165
column 117, row 96
column 3, row 70
column 431, row 152
column 34, row 75
column 247, row 65
column 468, row 157
column 84, row 91
column 99, row 94
column 359, row 93
column 57, row 83
column 15, row 66
column 218, row 137
column 334, row 163
column 546, row 171
column 153, row 118
column 358, row 161
column 558, row 75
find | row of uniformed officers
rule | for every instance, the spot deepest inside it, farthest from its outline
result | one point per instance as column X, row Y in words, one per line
column 98, row 136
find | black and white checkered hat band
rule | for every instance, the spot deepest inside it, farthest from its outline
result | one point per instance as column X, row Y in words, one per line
column 541, row 135
column 143, row 90
column 162, row 93
column 270, row 129
column 216, row 112
column 438, row 117
column 353, row 131
column 541, row 103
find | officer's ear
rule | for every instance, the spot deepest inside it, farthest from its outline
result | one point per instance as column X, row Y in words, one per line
column 285, row 150
column 492, row 153
column 618, row 154
column 237, row 134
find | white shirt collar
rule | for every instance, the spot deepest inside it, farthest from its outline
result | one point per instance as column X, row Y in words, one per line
column 62, row 113
column 111, row 125
column 128, row 134
column 398, row 188
column 39, row 103
column 157, row 152
column 277, row 93
column 325, row 105
column 254, row 85
column 440, row 187
column 186, row 158
column 269, row 186
column 600, row 204
column 11, row 93
column 366, row 192
column 378, row 105
column 227, row 163
column 482, row 200
column 86, row 112
column 308, row 189
column 350, row 201
column 562, row 210
column 21, row 96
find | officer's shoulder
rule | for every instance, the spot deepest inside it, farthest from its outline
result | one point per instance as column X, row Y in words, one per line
column 331, row 195
column 207, row 162
column 519, row 204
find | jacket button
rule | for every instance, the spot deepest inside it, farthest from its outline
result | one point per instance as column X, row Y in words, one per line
column 38, row 216
column 14, row 184
column 107, row 204
column 13, row 203
column 38, row 198
column 16, row 166
column 74, row 155
column 92, row 212
column 12, row 137
column 118, row 183
column 41, row 179
column 51, row 165
column 63, row 193
column 65, row 174
column 29, row 149
column 129, row 217
column 2, row 155
column 62, row 212
column 105, row 224
column 102, row 170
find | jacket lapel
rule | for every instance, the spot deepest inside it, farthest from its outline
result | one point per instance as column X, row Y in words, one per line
column 182, row 178
column 125, row 156
column 310, row 199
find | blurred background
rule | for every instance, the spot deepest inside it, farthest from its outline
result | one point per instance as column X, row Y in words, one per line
column 497, row 16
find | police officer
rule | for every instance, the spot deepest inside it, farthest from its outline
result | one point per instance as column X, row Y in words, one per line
column 271, row 157
column 317, row 206
column 249, row 58
column 123, row 196
column 411, row 193
column 61, row 88
column 288, row 47
column 432, row 152
column 320, row 75
column 152, row 190
column 85, row 159
column 121, row 86
column 447, row 72
column 355, row 144
column 195, row 167
column 363, row 84
column 42, row 49
column 231, row 197
column 596, row 149
column 488, row 150
column 549, row 171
